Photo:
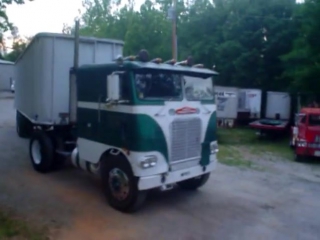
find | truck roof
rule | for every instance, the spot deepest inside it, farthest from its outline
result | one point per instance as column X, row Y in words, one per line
column 6, row 62
column 136, row 65
column 310, row 110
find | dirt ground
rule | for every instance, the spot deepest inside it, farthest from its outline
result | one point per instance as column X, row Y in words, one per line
column 278, row 201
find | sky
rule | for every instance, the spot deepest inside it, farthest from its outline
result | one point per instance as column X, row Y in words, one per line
column 45, row 15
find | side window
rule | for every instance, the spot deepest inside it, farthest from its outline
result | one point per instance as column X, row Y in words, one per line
column 303, row 119
column 125, row 87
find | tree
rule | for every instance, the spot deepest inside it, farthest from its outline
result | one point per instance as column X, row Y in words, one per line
column 302, row 63
column 17, row 48
column 4, row 21
column 244, row 39
column 5, row 24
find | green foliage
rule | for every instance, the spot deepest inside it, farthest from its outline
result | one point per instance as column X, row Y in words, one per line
column 247, row 138
column 271, row 45
column 6, row 25
column 244, row 39
column 4, row 21
column 11, row 228
column 303, row 61
column 17, row 49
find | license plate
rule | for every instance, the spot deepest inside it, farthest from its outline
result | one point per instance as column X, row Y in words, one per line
column 317, row 153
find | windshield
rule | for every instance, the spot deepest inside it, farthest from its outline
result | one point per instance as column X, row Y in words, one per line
column 314, row 120
column 158, row 86
column 198, row 89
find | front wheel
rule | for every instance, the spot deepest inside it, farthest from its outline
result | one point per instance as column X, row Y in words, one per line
column 41, row 152
column 298, row 158
column 194, row 183
column 120, row 185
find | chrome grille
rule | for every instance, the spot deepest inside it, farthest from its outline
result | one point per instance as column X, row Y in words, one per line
column 185, row 139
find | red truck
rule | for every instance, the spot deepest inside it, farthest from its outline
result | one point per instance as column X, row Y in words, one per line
column 305, row 135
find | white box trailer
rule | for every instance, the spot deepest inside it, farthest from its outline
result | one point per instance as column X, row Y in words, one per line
column 227, row 102
column 250, row 102
column 278, row 103
column 42, row 73
column 6, row 75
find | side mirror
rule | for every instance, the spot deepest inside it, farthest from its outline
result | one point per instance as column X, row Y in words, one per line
column 113, row 87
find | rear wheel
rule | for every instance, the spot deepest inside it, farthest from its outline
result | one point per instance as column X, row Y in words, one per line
column 120, row 185
column 194, row 183
column 41, row 151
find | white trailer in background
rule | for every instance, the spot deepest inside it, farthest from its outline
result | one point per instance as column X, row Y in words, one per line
column 249, row 106
column 227, row 105
column 278, row 105
column 277, row 116
column 6, row 75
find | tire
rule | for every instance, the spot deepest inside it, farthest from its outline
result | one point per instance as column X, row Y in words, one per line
column 194, row 183
column 41, row 151
column 24, row 127
column 115, row 170
column 298, row 158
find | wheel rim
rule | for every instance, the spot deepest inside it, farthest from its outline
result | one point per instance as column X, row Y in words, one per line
column 119, row 184
column 36, row 152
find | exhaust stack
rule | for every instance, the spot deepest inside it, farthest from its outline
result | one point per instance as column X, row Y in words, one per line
column 73, row 77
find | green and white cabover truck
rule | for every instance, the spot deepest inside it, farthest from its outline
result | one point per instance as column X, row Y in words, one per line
column 140, row 124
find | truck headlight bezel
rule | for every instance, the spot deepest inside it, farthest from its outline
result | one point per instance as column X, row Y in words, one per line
column 302, row 143
column 148, row 161
column 214, row 148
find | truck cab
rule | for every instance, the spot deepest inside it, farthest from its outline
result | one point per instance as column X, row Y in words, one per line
column 144, row 124
column 138, row 124
column 305, row 137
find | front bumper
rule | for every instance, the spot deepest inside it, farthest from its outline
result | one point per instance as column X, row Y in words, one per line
column 307, row 151
column 159, row 180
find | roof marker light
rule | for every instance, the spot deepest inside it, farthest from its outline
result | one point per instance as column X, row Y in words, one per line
column 182, row 63
column 198, row 66
column 156, row 60
column 187, row 62
column 190, row 61
column 171, row 62
column 119, row 59
column 129, row 58
column 143, row 55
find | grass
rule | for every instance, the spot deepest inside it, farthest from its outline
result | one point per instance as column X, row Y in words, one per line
column 232, row 140
column 232, row 157
column 12, row 228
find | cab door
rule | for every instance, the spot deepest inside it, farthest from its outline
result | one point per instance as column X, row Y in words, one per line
column 114, row 113
column 302, row 127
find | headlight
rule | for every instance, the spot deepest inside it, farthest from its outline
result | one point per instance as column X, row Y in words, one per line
column 214, row 147
column 148, row 162
column 302, row 143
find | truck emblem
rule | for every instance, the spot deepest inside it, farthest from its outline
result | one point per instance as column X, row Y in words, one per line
column 186, row 110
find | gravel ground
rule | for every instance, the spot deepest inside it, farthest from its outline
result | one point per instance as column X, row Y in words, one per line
column 279, row 202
